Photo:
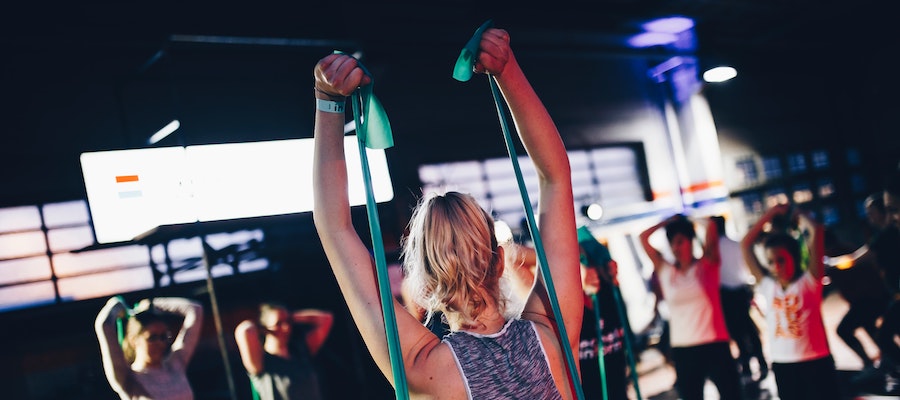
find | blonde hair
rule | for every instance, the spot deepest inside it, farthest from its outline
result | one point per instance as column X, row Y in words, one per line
column 451, row 257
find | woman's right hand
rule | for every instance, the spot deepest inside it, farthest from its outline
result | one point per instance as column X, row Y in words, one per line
column 338, row 75
column 494, row 52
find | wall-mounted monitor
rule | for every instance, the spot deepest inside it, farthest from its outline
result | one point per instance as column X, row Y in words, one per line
column 132, row 191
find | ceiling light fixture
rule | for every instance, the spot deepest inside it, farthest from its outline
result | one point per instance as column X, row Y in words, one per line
column 719, row 74
column 165, row 131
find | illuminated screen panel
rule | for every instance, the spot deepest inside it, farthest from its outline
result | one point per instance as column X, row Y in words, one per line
column 133, row 191
column 244, row 180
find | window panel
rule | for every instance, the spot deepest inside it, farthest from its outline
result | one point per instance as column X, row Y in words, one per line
column 68, row 239
column 26, row 295
column 23, row 218
column 197, row 274
column 499, row 169
column 797, row 163
column 617, row 173
column 582, row 177
column 66, row 213
column 579, row 160
column 23, row 244
column 772, row 167
column 458, row 172
column 613, row 156
column 820, row 159
column 615, row 167
column 68, row 264
column 583, row 192
column 746, row 166
column 24, row 269
column 220, row 240
column 510, row 201
column 514, row 218
column 105, row 283
column 253, row 265
column 181, row 249
column 752, row 203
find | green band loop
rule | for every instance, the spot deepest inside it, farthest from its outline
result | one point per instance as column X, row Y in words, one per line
column 373, row 128
column 462, row 70
column 384, row 283
column 538, row 243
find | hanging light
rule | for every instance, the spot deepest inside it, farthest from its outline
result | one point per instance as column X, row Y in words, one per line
column 719, row 74
column 165, row 131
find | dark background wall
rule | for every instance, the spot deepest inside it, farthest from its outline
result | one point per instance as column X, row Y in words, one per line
column 85, row 78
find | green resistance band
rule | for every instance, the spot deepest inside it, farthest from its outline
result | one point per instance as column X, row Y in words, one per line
column 120, row 321
column 373, row 130
column 468, row 56
column 629, row 348
column 600, row 354
column 804, row 251
column 253, row 391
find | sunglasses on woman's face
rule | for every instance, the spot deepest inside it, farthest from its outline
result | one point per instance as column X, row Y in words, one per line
column 161, row 337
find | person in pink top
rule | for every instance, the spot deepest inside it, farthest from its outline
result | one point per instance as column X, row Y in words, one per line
column 801, row 359
column 698, row 336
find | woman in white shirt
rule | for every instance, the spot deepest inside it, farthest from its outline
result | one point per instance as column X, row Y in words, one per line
column 801, row 359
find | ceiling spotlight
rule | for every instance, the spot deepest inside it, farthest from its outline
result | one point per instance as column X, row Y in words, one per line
column 719, row 74
column 669, row 25
column 165, row 131
column 593, row 211
column 649, row 39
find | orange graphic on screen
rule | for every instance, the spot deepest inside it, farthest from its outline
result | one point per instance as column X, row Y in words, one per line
column 130, row 192
column 126, row 178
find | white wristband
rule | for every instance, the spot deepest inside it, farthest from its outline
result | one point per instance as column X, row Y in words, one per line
column 330, row 106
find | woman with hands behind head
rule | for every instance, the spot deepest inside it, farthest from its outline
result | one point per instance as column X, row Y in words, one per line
column 150, row 363
column 698, row 336
column 453, row 260
column 278, row 368
column 801, row 359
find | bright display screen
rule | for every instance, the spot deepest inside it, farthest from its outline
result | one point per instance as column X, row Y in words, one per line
column 132, row 191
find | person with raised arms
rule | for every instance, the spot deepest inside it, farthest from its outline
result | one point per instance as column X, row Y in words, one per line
column 452, row 259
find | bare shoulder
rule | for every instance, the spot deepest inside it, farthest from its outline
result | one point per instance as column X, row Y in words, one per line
column 546, row 330
column 435, row 374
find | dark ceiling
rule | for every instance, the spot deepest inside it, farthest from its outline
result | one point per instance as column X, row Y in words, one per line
column 76, row 77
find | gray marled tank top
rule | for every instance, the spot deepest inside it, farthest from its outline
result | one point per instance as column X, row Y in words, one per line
column 510, row 364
